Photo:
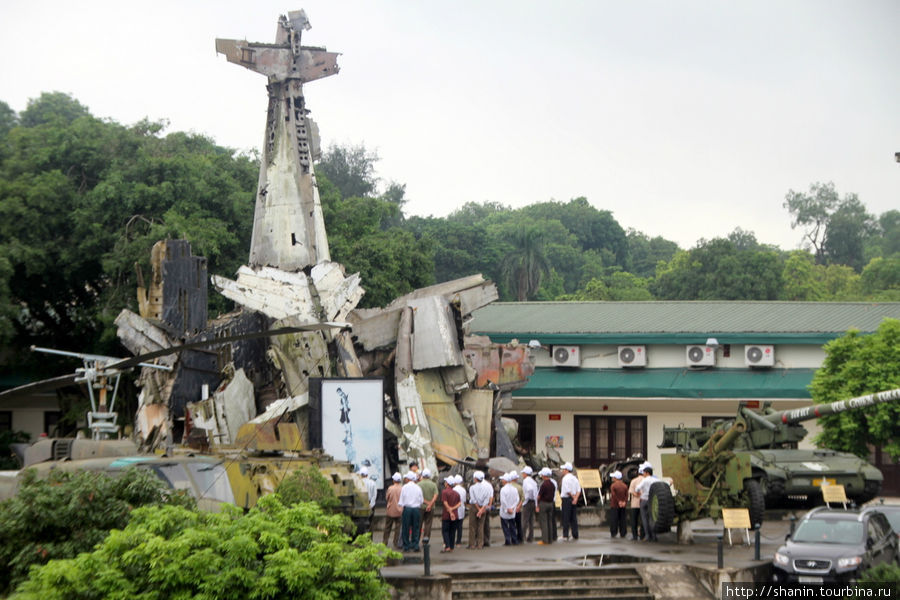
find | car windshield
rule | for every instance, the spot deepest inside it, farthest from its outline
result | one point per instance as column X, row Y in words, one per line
column 829, row 531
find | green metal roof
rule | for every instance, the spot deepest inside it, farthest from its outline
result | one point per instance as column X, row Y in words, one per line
column 668, row 383
column 678, row 322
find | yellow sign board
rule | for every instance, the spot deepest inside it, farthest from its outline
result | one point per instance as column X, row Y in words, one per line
column 736, row 518
column 834, row 493
column 824, row 482
column 590, row 479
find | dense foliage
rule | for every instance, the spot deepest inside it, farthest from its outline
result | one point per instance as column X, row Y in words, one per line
column 307, row 484
column 856, row 365
column 273, row 551
column 68, row 513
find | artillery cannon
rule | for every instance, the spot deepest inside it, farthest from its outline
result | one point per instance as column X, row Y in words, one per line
column 752, row 461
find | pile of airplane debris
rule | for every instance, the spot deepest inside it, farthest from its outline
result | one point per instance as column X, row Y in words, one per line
column 237, row 378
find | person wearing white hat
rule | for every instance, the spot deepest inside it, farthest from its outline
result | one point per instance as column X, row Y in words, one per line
column 546, row 506
column 411, row 521
column 481, row 496
column 514, row 482
column 430, row 496
column 450, row 503
column 509, row 505
column 634, row 507
column 530, row 491
column 393, row 512
column 618, row 501
column 461, row 513
column 643, row 489
column 570, row 492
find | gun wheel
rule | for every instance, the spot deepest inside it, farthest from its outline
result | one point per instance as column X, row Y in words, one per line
column 757, row 502
column 661, row 507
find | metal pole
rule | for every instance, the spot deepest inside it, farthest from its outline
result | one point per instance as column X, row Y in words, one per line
column 793, row 523
column 756, row 543
column 426, row 556
column 720, row 558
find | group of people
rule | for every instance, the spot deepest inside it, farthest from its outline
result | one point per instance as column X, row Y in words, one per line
column 634, row 498
column 522, row 500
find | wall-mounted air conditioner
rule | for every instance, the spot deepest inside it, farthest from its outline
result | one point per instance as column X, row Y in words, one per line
column 566, row 356
column 759, row 355
column 700, row 356
column 632, row 356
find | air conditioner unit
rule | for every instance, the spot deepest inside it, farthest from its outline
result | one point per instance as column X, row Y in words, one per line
column 759, row 355
column 700, row 356
column 632, row 356
column 566, row 356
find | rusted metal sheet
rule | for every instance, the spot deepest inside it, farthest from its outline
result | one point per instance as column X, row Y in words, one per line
column 337, row 293
column 435, row 340
column 416, row 441
column 450, row 438
column 507, row 366
column 299, row 356
column 480, row 405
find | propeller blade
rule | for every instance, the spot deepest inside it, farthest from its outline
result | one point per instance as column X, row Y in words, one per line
column 40, row 386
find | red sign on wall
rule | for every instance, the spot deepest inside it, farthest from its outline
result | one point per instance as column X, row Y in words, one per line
column 555, row 417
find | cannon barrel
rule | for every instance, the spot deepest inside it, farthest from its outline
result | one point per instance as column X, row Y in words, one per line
column 815, row 411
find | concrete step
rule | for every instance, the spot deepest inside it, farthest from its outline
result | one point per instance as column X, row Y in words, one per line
column 612, row 583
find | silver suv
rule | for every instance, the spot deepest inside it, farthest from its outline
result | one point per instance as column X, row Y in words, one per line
column 835, row 546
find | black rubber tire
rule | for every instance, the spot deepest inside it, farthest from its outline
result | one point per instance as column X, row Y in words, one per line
column 871, row 489
column 757, row 504
column 775, row 495
column 661, row 507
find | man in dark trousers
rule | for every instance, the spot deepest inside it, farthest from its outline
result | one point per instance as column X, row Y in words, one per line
column 546, row 497
column 618, row 500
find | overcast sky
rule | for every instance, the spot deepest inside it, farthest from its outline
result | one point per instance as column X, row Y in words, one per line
column 684, row 119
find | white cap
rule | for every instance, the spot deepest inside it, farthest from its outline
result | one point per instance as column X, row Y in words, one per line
column 567, row 466
column 411, row 476
column 478, row 475
column 396, row 477
column 645, row 466
column 545, row 472
column 426, row 473
column 364, row 471
column 527, row 470
column 513, row 475
column 450, row 479
column 616, row 475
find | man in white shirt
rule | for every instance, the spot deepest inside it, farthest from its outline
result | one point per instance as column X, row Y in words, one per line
column 570, row 492
column 372, row 490
column 509, row 506
column 481, row 497
column 643, row 489
column 458, row 486
column 530, row 489
column 411, row 500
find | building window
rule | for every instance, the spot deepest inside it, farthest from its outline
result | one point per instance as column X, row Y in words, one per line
column 5, row 420
column 602, row 440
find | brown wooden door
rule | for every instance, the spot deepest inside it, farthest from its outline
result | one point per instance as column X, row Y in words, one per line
column 601, row 440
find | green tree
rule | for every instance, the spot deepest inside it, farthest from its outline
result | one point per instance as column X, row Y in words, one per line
column 856, row 365
column 802, row 281
column 718, row 270
column 644, row 252
column 880, row 280
column 524, row 266
column 70, row 512
column 835, row 228
column 82, row 200
column 273, row 551
column 351, row 169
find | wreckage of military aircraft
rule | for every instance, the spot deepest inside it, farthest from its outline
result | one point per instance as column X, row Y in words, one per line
column 443, row 390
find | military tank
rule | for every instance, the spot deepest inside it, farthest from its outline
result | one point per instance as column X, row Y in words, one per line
column 752, row 461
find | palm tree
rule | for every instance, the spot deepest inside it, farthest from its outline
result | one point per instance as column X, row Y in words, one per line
column 524, row 266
